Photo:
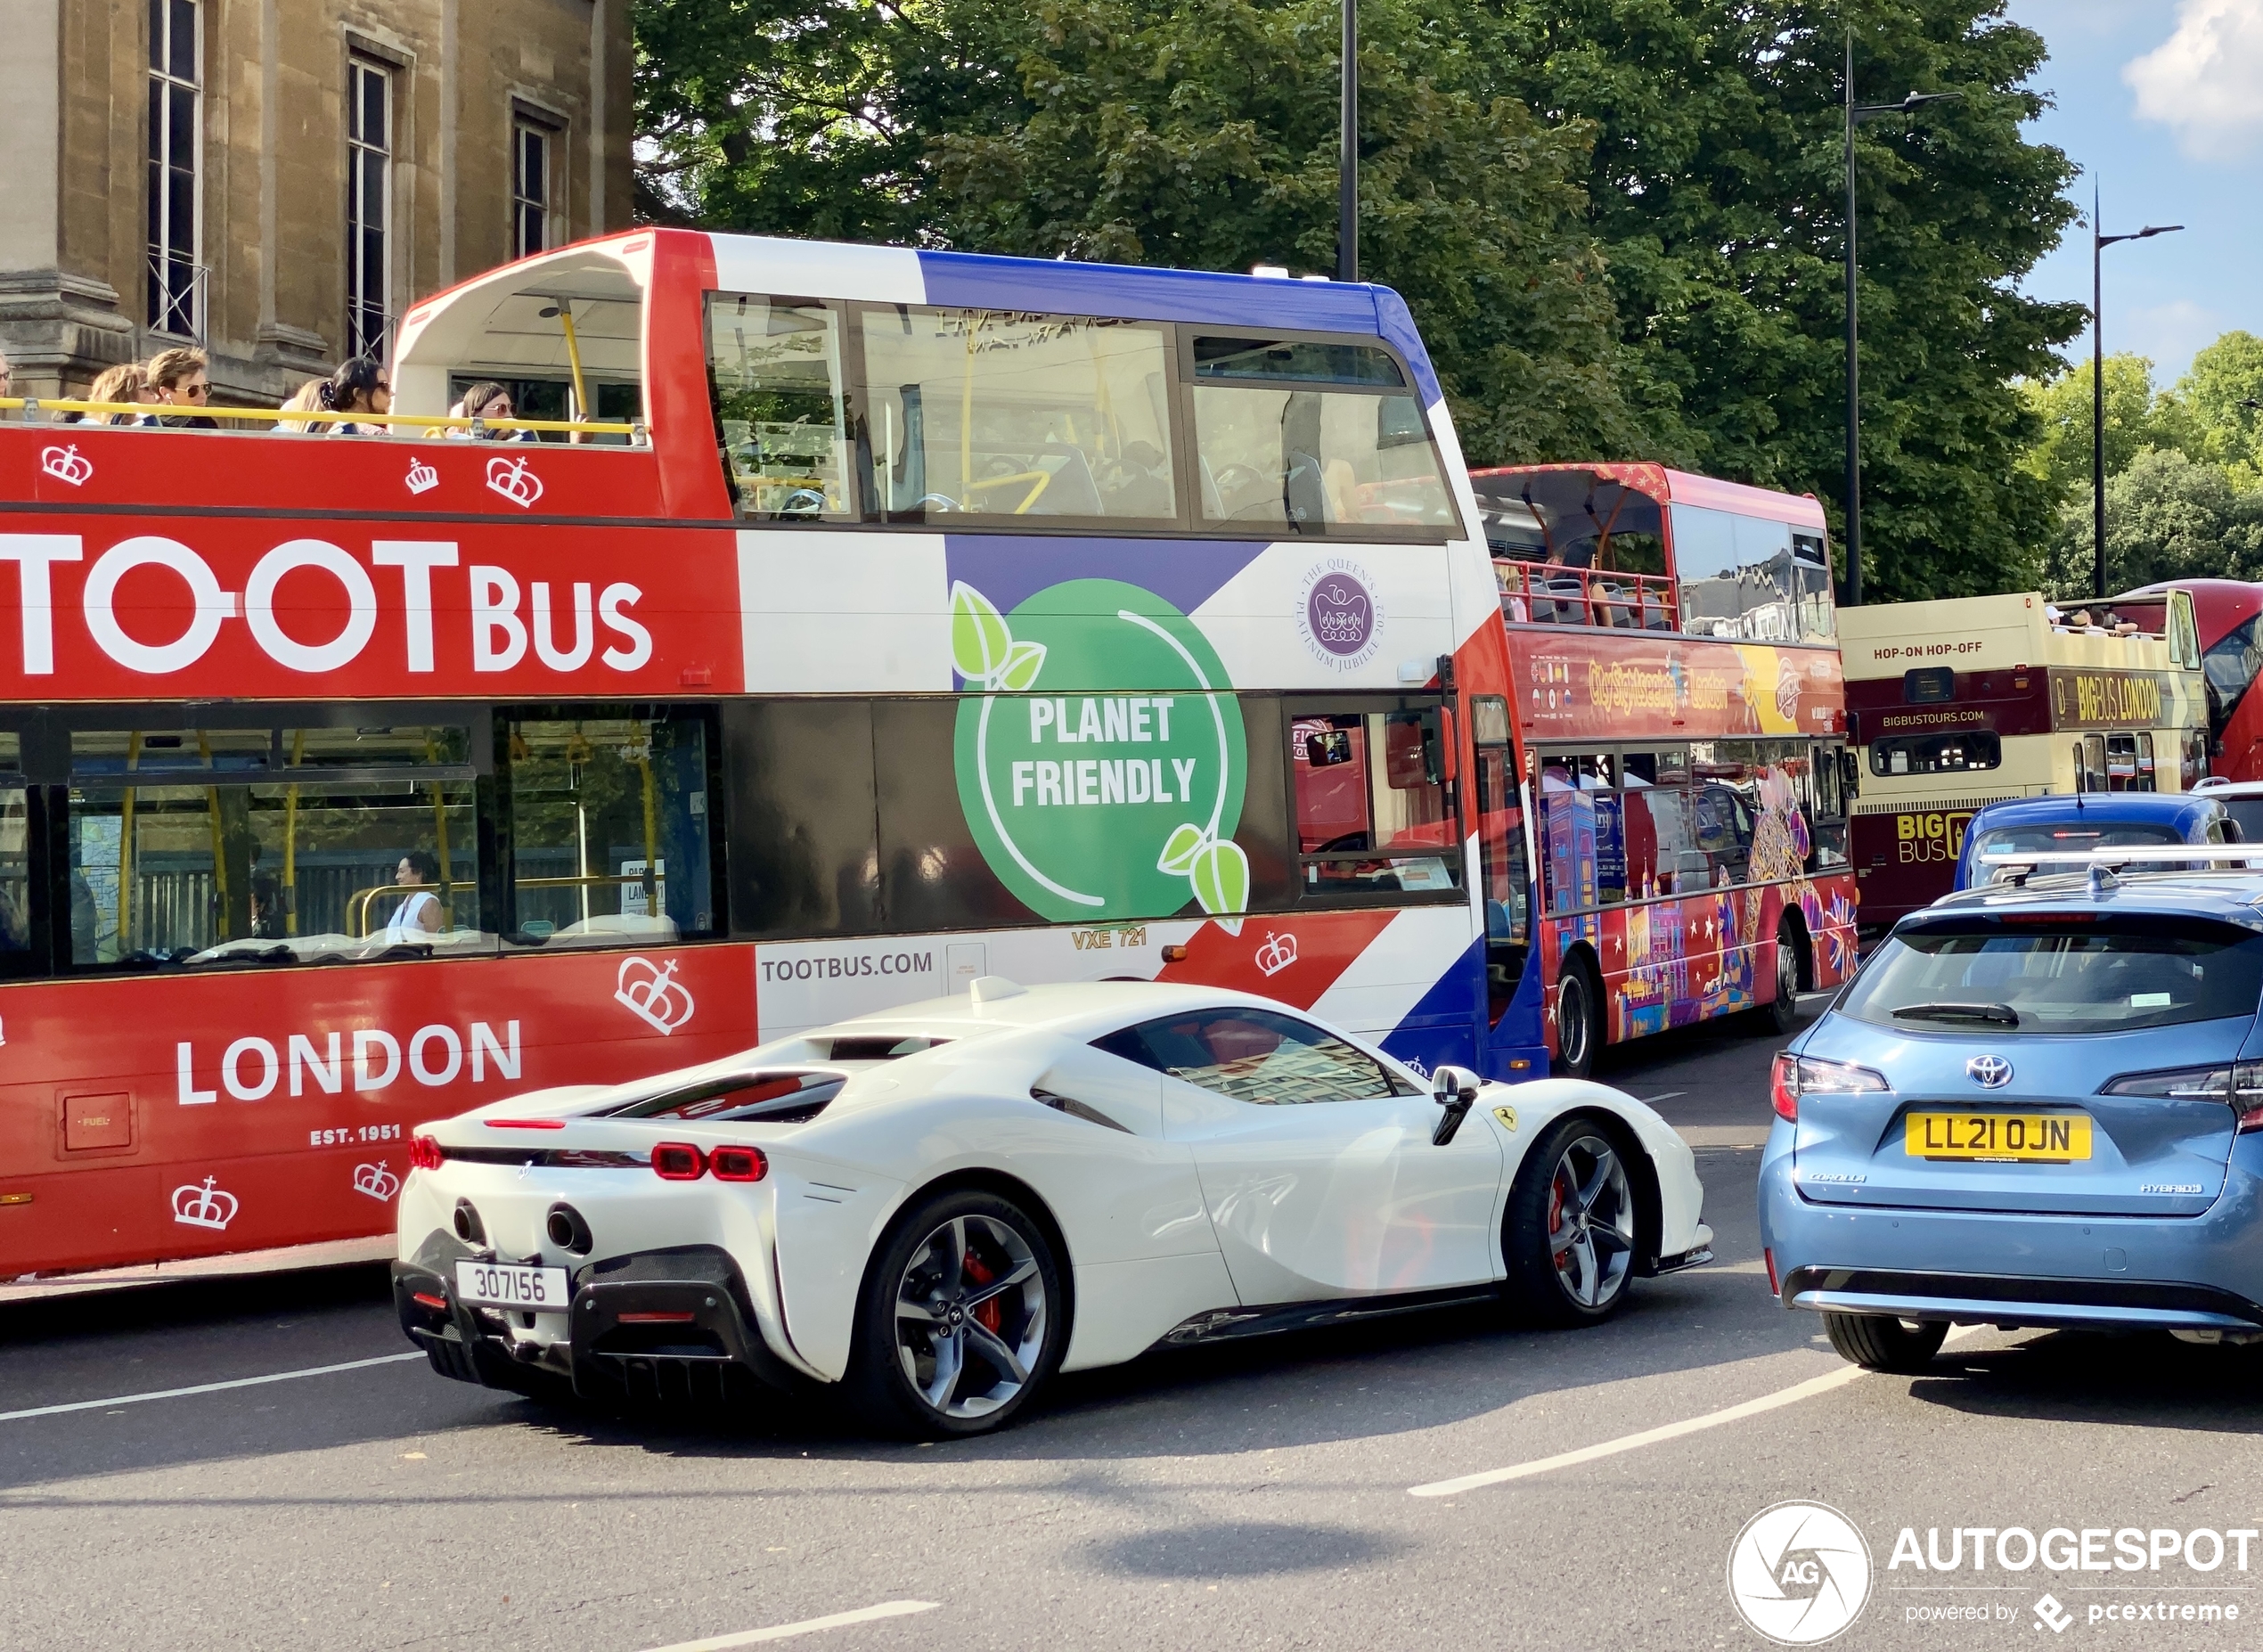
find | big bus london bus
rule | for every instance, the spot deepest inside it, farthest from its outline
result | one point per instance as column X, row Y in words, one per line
column 1676, row 687
column 869, row 620
column 1959, row 703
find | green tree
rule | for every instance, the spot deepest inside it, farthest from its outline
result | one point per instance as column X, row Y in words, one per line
column 1717, row 192
column 2138, row 417
column 2169, row 515
column 1202, row 134
column 2224, row 376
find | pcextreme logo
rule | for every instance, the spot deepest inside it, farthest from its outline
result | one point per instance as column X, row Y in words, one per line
column 1101, row 763
column 1799, row 1573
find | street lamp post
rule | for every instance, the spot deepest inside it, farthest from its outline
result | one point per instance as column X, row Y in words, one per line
column 1347, row 172
column 1856, row 113
column 2099, row 242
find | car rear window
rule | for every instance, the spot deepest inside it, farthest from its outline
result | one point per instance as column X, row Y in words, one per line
column 2248, row 812
column 769, row 1098
column 2039, row 839
column 2058, row 977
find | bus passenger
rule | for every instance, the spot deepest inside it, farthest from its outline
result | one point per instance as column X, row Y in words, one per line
column 306, row 399
column 182, row 377
column 359, row 385
column 7, row 379
column 418, row 916
column 128, row 382
column 485, row 400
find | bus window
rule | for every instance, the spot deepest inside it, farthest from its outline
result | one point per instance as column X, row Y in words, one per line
column 775, row 376
column 1309, row 436
column 1371, row 804
column 1501, row 856
column 609, row 829
column 1750, row 577
column 15, row 869
column 1824, row 796
column 221, row 847
column 1937, row 754
column 1659, row 823
column 1582, row 852
column 2231, row 664
column 991, row 414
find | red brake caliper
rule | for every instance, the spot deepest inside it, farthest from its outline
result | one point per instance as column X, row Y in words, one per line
column 991, row 1314
column 1555, row 1208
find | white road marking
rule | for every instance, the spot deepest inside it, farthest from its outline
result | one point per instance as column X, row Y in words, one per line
column 206, row 1387
column 1668, row 1096
column 807, row 1626
column 1782, row 1397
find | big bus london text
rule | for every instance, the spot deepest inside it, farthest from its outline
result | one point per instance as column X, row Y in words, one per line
column 913, row 617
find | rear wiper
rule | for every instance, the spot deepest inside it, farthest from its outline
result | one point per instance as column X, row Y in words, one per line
column 1996, row 1015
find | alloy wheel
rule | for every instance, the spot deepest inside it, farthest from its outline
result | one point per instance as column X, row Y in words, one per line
column 1590, row 1221
column 1572, row 1019
column 970, row 1316
column 1787, row 970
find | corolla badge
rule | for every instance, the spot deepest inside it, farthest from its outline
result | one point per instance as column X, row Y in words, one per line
column 1990, row 1072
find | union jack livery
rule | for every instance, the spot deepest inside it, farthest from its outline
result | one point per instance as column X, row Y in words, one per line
column 874, row 621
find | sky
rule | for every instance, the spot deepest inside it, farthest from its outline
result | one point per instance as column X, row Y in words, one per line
column 2161, row 103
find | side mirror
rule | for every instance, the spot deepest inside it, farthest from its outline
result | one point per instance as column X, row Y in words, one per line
column 1455, row 1089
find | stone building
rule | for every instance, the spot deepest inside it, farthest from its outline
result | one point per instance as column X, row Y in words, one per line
column 279, row 180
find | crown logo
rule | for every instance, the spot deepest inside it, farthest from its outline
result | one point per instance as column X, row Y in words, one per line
column 374, row 1180
column 422, row 477
column 67, row 464
column 1276, row 954
column 1342, row 615
column 206, row 1206
column 653, row 993
column 514, row 481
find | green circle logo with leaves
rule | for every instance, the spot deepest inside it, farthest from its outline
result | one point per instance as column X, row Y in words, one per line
column 1101, row 754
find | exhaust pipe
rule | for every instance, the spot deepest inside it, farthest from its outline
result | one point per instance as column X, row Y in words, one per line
column 469, row 1228
column 567, row 1230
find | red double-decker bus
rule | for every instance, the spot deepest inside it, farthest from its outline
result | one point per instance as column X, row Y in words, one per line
column 1677, row 687
column 2229, row 616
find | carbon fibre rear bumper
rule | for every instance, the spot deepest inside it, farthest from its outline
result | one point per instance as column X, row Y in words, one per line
column 668, row 1326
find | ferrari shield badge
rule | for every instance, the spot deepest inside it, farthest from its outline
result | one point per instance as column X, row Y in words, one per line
column 1508, row 1116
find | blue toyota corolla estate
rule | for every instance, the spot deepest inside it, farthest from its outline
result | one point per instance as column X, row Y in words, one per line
column 2035, row 1105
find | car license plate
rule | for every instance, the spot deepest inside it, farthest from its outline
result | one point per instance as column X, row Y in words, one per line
column 499, row 1285
column 2037, row 1138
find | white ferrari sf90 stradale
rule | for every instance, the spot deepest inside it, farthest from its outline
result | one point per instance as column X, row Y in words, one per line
column 939, row 1206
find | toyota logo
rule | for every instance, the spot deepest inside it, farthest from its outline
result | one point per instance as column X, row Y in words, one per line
column 1990, row 1072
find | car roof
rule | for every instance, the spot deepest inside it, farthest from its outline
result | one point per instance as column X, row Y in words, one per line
column 2169, row 807
column 2232, row 895
column 2212, row 787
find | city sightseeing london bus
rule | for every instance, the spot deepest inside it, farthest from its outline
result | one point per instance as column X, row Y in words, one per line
column 865, row 622
column 1675, row 686
column 1964, row 702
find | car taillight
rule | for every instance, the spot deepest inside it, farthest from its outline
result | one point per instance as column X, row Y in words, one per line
column 738, row 1163
column 2240, row 1087
column 1794, row 1076
column 424, row 1154
column 678, row 1161
column 1768, row 1256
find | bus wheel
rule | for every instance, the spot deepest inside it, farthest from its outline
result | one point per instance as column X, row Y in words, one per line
column 1774, row 1019
column 1579, row 1020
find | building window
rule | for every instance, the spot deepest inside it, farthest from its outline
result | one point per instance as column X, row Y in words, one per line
column 369, row 180
column 532, row 147
column 174, row 129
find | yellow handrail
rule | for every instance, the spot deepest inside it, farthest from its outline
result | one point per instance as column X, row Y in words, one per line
column 423, row 421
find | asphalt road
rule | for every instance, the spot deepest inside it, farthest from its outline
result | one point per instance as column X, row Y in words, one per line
column 1250, row 1495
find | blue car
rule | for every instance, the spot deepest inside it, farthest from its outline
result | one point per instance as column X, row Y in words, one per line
column 2092, row 819
column 2035, row 1105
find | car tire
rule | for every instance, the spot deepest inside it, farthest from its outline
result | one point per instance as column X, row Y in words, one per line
column 1568, row 1238
column 1878, row 1343
column 1774, row 1019
column 1579, row 1020
column 945, row 1352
